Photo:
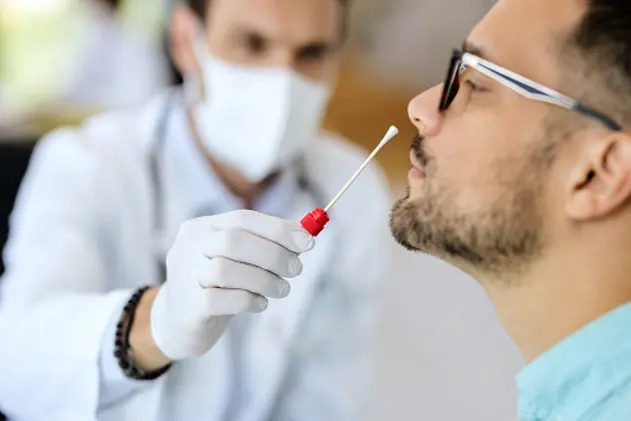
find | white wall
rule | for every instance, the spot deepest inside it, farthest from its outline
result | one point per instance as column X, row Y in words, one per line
column 441, row 353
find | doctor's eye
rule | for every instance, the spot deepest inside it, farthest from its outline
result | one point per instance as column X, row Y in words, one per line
column 311, row 53
column 254, row 43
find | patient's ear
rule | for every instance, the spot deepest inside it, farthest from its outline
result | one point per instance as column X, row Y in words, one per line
column 600, row 183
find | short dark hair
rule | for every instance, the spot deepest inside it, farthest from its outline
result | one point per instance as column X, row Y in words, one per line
column 112, row 4
column 200, row 7
column 602, row 44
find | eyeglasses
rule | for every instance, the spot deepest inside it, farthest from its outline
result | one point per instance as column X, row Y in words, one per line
column 523, row 86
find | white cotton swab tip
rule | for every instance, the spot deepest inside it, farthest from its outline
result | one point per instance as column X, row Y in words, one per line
column 392, row 132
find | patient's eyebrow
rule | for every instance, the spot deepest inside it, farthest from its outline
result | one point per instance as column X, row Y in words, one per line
column 476, row 50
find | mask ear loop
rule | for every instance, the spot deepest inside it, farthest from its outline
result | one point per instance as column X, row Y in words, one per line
column 193, row 86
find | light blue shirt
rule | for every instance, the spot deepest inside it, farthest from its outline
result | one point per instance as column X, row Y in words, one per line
column 586, row 377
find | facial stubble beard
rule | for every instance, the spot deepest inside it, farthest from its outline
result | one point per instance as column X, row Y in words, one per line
column 501, row 238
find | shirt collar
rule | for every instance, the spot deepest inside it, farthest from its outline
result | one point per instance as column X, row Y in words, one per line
column 579, row 371
column 200, row 188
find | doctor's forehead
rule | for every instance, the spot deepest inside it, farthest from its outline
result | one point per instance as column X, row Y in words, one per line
column 525, row 36
column 288, row 20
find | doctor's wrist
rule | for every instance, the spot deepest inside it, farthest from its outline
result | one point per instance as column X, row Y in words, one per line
column 146, row 353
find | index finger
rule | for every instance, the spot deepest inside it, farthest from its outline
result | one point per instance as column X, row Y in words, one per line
column 287, row 234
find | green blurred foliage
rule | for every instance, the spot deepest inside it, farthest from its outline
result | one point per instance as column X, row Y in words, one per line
column 39, row 37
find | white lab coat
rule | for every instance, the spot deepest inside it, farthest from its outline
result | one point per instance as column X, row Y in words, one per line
column 82, row 238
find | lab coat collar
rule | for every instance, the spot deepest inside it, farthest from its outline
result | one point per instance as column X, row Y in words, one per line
column 579, row 371
column 199, row 186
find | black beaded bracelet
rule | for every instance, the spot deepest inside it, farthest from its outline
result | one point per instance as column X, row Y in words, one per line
column 123, row 351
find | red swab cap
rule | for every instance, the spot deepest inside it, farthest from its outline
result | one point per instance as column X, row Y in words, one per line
column 315, row 221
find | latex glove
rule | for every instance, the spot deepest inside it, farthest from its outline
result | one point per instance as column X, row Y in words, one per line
column 218, row 267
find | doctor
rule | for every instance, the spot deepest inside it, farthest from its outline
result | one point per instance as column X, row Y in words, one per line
column 249, row 319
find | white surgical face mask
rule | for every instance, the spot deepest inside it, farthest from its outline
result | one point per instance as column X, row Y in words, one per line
column 256, row 119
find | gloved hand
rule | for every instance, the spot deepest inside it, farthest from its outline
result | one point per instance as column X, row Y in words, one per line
column 218, row 267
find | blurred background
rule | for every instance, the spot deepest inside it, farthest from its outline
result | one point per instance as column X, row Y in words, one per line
column 440, row 353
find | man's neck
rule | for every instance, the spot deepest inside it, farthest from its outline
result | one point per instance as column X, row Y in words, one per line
column 234, row 181
column 555, row 301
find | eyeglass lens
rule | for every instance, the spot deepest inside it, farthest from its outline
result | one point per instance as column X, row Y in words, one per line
column 452, row 82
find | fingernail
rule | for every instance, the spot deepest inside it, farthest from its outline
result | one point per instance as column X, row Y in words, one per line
column 294, row 266
column 302, row 240
column 284, row 289
column 262, row 303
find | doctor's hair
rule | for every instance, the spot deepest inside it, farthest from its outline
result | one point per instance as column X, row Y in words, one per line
column 597, row 58
column 200, row 7
column 113, row 5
